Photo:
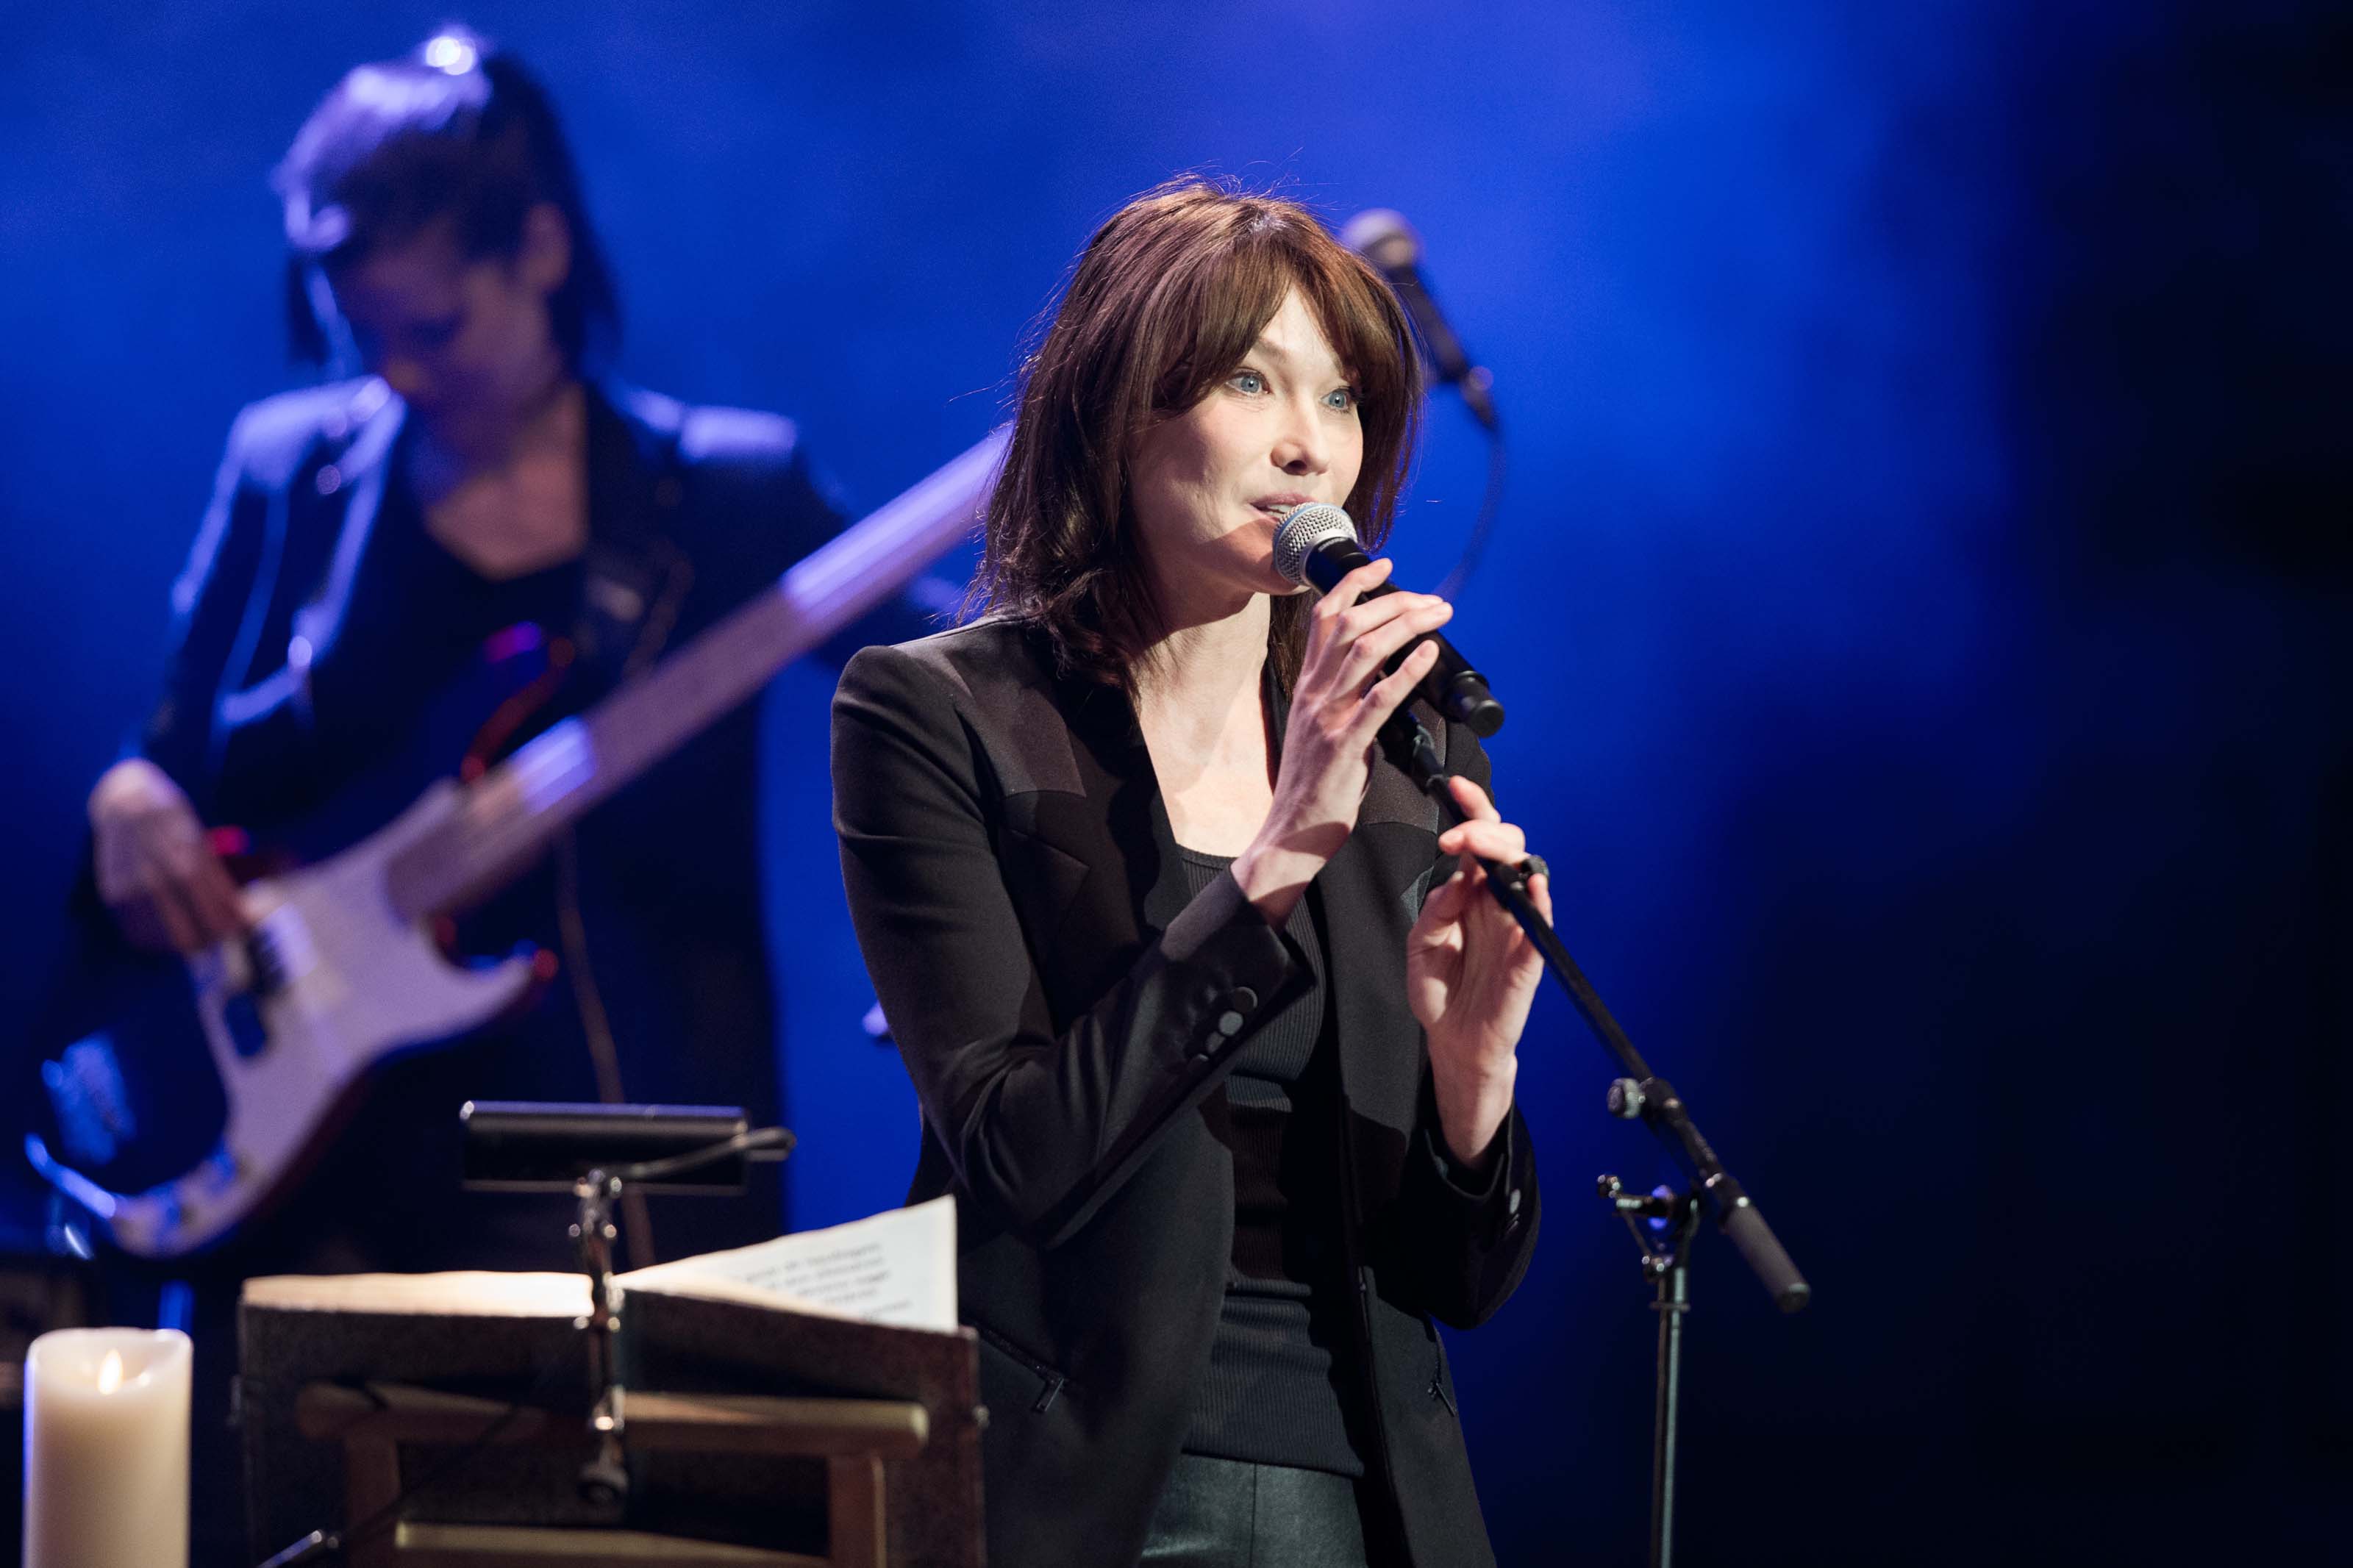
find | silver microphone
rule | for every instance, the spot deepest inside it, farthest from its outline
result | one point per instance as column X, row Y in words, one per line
column 1317, row 544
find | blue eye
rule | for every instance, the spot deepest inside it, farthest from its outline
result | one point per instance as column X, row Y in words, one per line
column 1247, row 381
column 1341, row 398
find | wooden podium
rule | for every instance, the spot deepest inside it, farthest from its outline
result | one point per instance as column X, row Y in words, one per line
column 758, row 1436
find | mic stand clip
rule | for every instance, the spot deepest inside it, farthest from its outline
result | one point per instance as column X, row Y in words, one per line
column 1673, row 1218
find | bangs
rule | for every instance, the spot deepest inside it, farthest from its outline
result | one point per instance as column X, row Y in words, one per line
column 1231, row 296
column 1360, row 318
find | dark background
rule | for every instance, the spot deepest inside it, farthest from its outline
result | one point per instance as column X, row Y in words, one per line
column 1922, row 601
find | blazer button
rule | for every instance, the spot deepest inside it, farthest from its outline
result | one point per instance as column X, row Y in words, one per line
column 1243, row 1000
column 1229, row 1024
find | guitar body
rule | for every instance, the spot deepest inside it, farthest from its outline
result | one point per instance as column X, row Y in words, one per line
column 219, row 1080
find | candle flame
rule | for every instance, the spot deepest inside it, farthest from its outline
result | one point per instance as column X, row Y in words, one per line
column 110, row 1372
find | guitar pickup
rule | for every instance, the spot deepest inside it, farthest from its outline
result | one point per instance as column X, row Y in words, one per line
column 279, row 951
column 262, row 960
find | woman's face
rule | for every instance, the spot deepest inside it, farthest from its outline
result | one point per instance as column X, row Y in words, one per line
column 466, row 340
column 1209, row 484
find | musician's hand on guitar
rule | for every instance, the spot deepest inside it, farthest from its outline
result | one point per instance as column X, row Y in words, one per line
column 156, row 869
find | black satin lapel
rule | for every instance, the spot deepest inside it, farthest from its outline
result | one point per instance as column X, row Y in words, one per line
column 636, row 575
column 1081, row 791
column 1371, row 892
column 627, row 457
column 1366, row 919
column 1390, row 797
column 1135, row 812
column 365, row 469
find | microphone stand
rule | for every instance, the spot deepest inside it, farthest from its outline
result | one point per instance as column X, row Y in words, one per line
column 1637, row 1095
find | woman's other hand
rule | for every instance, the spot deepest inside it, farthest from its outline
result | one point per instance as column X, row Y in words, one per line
column 1470, row 974
column 1327, row 746
column 156, row 869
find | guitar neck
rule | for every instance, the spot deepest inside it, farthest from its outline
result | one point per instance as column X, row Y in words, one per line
column 508, row 817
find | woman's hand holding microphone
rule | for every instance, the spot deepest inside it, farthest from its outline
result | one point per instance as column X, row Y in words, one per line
column 1471, row 972
column 1336, row 711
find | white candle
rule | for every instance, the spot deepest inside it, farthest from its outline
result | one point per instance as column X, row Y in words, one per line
column 106, row 1449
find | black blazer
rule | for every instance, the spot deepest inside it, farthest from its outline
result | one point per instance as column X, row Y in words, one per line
column 1069, row 1018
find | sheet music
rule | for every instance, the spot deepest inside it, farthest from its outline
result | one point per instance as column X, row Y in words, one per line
column 896, row 1268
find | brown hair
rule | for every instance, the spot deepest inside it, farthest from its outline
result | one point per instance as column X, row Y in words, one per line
column 456, row 131
column 1166, row 300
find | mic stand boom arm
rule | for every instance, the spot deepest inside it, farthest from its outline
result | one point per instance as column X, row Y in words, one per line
column 1638, row 1094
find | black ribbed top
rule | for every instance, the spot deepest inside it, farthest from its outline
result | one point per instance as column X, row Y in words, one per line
column 1285, row 1350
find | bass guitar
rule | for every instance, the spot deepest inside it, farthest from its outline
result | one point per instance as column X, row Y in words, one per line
column 340, row 970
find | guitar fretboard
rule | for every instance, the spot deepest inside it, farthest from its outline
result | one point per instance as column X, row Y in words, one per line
column 509, row 815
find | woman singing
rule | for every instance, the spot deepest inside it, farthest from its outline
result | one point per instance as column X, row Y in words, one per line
column 1212, row 1027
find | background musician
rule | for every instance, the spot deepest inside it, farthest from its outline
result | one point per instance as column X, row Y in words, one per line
column 366, row 538
column 484, row 485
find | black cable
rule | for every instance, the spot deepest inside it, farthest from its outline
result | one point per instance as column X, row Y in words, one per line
column 752, row 1141
column 1483, row 529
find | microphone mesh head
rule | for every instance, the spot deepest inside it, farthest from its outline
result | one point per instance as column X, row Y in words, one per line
column 1301, row 530
column 1384, row 238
